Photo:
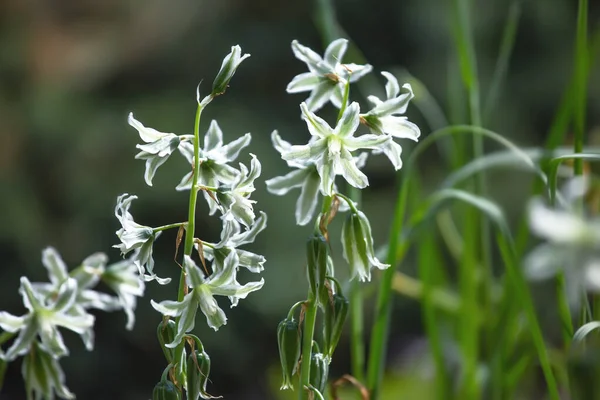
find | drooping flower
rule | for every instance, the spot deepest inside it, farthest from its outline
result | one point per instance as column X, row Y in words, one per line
column 136, row 237
column 159, row 146
column 232, row 237
column 122, row 277
column 385, row 118
column 44, row 317
column 331, row 149
column 327, row 76
column 305, row 177
column 214, row 158
column 220, row 283
column 234, row 199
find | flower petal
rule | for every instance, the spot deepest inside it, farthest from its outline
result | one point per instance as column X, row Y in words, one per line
column 213, row 138
column 231, row 151
column 320, row 95
column 11, row 323
column 335, row 51
column 148, row 135
column 304, row 82
column 368, row 141
column 351, row 173
column 392, row 88
column 22, row 343
column 400, row 127
column 57, row 269
column 307, row 201
column 309, row 57
column 282, row 184
column 348, row 124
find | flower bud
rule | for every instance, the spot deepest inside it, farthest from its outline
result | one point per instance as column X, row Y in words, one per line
column 166, row 390
column 336, row 312
column 288, row 339
column 166, row 331
column 316, row 254
column 319, row 370
column 357, row 243
column 198, row 369
column 228, row 67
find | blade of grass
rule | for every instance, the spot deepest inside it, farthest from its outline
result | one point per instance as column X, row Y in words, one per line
column 476, row 229
column 506, row 48
column 427, row 266
column 396, row 247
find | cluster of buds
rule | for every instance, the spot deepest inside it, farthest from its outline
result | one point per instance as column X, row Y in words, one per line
column 65, row 302
column 333, row 150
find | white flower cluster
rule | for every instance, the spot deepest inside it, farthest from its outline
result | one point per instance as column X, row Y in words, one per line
column 333, row 151
column 226, row 189
column 64, row 302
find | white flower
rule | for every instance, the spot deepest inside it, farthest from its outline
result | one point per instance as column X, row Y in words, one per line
column 136, row 237
column 122, row 277
column 572, row 246
column 87, row 275
column 220, row 283
column 327, row 76
column 159, row 146
column 384, row 118
column 231, row 238
column 234, row 199
column 331, row 149
column 306, row 177
column 44, row 317
column 213, row 158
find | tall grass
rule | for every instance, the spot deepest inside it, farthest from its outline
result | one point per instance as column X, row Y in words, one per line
column 489, row 312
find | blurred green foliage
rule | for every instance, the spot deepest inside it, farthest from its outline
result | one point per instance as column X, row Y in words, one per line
column 70, row 72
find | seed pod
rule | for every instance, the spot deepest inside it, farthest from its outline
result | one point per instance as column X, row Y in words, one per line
column 166, row 390
column 336, row 312
column 288, row 339
column 198, row 369
column 319, row 370
column 166, row 332
column 316, row 255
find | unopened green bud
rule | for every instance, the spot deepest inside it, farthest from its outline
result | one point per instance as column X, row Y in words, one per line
column 166, row 390
column 319, row 370
column 336, row 312
column 288, row 339
column 166, row 331
column 198, row 369
column 316, row 254
column 228, row 68
column 357, row 244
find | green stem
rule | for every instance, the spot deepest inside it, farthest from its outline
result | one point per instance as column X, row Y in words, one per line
column 310, row 318
column 3, row 366
column 344, row 100
column 169, row 226
column 189, row 233
column 581, row 62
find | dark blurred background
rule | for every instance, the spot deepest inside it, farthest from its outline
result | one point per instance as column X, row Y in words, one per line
column 71, row 71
